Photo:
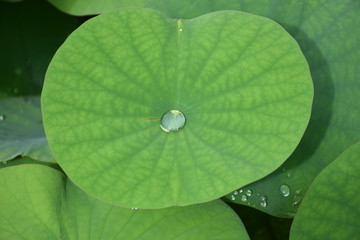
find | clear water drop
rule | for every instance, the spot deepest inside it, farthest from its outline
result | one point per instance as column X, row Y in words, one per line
column 236, row 193
column 296, row 200
column 263, row 198
column 263, row 204
column 172, row 121
column 180, row 29
column 134, row 208
column 240, row 191
column 284, row 190
column 288, row 175
column 2, row 117
column 233, row 197
column 248, row 193
column 243, row 198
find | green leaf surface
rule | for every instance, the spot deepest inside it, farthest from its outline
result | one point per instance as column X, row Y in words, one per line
column 38, row 202
column 246, row 94
column 21, row 130
column 327, row 32
column 90, row 7
column 330, row 209
column 30, row 31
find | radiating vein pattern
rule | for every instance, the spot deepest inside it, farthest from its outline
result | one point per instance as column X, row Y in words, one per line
column 240, row 80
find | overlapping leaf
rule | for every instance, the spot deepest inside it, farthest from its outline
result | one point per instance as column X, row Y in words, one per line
column 40, row 203
column 21, row 130
column 330, row 209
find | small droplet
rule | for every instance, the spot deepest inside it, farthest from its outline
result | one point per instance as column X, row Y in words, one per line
column 180, row 29
column 296, row 200
column 288, row 175
column 233, row 197
column 134, row 208
column 263, row 204
column 291, row 214
column 2, row 117
column 248, row 193
column 298, row 191
column 236, row 193
column 243, row 198
column 240, row 191
column 263, row 198
column 284, row 190
column 172, row 121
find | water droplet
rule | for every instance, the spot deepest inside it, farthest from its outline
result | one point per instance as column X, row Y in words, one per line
column 263, row 204
column 243, row 198
column 288, row 174
column 240, row 191
column 298, row 191
column 291, row 214
column 134, row 208
column 284, row 190
column 236, row 193
column 233, row 197
column 172, row 121
column 248, row 193
column 2, row 117
column 296, row 200
column 263, row 198
column 180, row 29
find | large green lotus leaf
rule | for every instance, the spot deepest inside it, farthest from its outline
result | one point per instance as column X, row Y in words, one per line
column 246, row 93
column 327, row 33
column 30, row 31
column 21, row 130
column 330, row 209
column 39, row 202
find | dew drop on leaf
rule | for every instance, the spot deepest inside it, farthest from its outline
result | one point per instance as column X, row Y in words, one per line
column 172, row 121
column 296, row 200
column 243, row 198
column 248, row 193
column 284, row 190
column 2, row 117
column 233, row 197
